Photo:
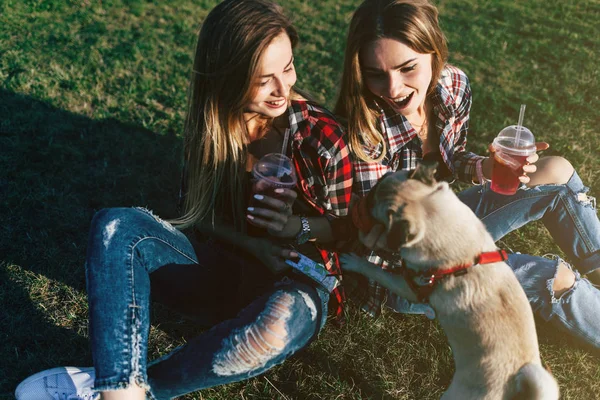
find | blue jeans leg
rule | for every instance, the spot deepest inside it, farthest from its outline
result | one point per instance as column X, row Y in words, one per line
column 124, row 247
column 566, row 211
column 575, row 311
column 132, row 252
column 263, row 335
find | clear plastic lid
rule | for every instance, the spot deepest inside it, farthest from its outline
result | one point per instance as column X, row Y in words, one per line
column 515, row 140
column 275, row 167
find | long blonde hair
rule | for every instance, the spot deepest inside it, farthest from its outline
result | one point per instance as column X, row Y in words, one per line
column 231, row 42
column 412, row 22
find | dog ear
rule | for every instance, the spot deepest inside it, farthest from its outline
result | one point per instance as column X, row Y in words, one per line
column 425, row 172
column 371, row 194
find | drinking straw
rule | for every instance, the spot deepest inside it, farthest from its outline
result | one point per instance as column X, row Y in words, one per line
column 286, row 137
column 519, row 125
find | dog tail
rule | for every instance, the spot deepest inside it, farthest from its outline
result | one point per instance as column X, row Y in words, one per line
column 533, row 382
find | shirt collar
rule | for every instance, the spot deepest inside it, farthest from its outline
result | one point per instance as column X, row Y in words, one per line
column 443, row 102
column 394, row 126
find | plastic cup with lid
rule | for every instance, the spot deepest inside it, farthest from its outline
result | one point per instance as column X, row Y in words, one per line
column 512, row 146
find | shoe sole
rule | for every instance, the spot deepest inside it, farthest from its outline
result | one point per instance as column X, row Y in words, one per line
column 45, row 373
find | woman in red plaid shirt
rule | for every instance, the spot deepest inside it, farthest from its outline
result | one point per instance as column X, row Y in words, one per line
column 242, row 105
column 404, row 103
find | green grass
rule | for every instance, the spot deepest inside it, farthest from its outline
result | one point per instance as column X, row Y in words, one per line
column 92, row 95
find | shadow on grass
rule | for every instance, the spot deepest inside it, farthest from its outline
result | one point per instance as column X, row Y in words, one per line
column 338, row 370
column 30, row 341
column 59, row 168
column 56, row 170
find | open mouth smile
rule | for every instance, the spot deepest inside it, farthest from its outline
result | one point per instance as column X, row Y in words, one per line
column 401, row 102
column 275, row 104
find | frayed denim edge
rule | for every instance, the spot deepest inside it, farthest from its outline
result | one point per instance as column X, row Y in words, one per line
column 133, row 380
column 582, row 334
column 550, row 282
column 164, row 223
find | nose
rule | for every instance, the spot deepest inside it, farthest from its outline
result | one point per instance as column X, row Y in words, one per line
column 281, row 88
column 394, row 85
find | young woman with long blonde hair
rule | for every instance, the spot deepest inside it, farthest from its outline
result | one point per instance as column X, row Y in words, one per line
column 403, row 103
column 232, row 275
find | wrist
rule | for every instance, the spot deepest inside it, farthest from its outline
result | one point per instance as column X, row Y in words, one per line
column 247, row 243
column 479, row 176
column 304, row 233
column 294, row 227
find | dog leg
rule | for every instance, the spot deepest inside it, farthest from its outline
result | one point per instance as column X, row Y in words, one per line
column 395, row 283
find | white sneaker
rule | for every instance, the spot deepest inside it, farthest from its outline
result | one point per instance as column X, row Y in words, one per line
column 63, row 383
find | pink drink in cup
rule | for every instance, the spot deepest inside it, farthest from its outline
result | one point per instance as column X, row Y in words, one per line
column 272, row 171
column 512, row 146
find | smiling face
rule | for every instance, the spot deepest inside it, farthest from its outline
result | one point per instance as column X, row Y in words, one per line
column 397, row 74
column 274, row 80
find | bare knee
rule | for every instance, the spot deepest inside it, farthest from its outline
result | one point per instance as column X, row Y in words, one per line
column 552, row 170
column 564, row 280
column 131, row 393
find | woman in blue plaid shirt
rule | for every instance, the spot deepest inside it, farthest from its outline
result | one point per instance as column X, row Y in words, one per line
column 404, row 103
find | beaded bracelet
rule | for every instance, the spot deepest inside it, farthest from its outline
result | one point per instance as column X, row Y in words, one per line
column 479, row 171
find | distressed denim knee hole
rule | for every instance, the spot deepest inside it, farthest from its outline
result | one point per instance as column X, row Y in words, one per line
column 563, row 280
column 563, row 295
column 252, row 346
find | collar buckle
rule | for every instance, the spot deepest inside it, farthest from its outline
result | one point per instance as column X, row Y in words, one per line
column 424, row 280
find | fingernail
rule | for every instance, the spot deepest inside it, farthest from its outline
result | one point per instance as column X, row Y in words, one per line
column 250, row 209
column 250, row 216
column 259, row 196
column 293, row 254
column 279, row 190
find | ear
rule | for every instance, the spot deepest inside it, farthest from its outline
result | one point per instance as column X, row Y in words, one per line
column 371, row 195
column 425, row 172
column 403, row 232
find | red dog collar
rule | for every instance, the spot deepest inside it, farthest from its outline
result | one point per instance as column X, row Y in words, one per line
column 423, row 283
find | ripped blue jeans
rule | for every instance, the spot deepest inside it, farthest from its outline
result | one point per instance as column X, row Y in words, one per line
column 257, row 321
column 571, row 219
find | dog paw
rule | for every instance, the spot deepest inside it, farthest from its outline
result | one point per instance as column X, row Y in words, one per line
column 351, row 262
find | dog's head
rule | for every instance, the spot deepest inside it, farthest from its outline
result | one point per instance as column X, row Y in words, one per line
column 401, row 202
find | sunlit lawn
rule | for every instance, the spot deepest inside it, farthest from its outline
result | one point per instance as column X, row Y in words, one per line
column 92, row 99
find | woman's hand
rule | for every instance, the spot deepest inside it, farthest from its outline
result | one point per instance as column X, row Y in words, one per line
column 276, row 215
column 270, row 254
column 528, row 168
column 267, row 252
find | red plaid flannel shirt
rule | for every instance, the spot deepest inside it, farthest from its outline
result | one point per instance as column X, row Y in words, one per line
column 324, row 169
column 452, row 104
column 322, row 158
